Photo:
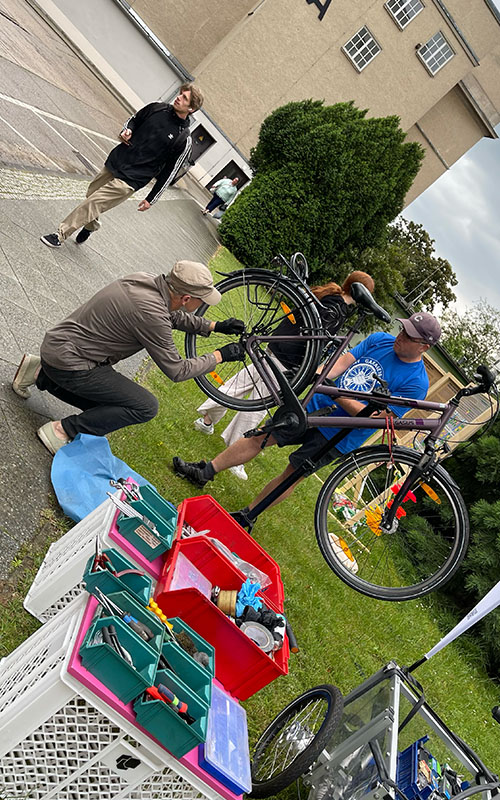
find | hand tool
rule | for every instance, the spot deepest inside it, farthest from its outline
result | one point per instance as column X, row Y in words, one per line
column 112, row 608
column 132, row 492
column 292, row 641
column 109, row 637
column 152, row 691
column 127, row 509
column 119, row 647
column 101, row 560
column 169, row 697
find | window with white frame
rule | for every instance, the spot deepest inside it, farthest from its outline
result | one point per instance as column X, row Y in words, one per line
column 403, row 11
column 361, row 48
column 435, row 53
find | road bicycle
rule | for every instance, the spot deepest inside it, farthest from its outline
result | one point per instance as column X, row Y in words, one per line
column 389, row 520
column 383, row 740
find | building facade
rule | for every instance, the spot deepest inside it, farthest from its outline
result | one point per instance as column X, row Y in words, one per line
column 433, row 63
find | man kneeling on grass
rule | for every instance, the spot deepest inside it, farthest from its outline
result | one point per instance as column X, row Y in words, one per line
column 395, row 359
column 133, row 313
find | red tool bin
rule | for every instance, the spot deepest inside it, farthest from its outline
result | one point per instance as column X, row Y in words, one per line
column 240, row 665
column 204, row 513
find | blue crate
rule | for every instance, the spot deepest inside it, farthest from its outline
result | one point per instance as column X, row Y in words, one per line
column 407, row 773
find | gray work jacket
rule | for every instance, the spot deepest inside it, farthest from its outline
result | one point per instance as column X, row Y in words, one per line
column 126, row 316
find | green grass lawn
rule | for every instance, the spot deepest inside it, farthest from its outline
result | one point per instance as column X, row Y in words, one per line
column 343, row 636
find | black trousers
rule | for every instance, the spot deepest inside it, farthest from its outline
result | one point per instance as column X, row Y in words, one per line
column 108, row 400
column 214, row 202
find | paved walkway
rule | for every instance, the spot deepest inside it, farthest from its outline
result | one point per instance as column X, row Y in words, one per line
column 39, row 286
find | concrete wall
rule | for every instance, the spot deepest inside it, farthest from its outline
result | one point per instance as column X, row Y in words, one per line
column 124, row 56
column 191, row 29
column 217, row 156
column 265, row 63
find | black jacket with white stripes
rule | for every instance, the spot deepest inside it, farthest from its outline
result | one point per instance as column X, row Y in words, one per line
column 159, row 146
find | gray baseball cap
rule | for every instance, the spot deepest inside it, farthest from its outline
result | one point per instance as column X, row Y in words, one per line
column 195, row 279
column 422, row 325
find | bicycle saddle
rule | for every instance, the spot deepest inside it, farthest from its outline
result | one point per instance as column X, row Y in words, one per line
column 362, row 297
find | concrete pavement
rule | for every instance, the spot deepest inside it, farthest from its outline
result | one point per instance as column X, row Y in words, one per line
column 58, row 121
column 39, row 286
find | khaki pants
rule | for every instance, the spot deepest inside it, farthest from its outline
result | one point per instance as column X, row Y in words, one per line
column 103, row 193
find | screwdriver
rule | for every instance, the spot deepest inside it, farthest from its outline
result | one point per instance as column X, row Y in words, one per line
column 140, row 628
column 161, row 692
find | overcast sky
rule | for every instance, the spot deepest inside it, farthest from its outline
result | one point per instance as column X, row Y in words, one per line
column 461, row 212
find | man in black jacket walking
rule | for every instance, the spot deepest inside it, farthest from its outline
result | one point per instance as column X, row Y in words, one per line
column 155, row 143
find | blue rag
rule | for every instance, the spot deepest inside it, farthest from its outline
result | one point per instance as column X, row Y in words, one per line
column 81, row 472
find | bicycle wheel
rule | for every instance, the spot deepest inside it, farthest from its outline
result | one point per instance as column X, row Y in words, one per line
column 294, row 739
column 262, row 299
column 430, row 535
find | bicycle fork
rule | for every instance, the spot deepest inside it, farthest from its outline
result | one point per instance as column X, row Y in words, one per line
column 389, row 521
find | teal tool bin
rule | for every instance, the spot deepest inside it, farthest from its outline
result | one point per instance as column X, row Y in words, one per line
column 194, row 675
column 125, row 681
column 126, row 602
column 140, row 586
column 140, row 535
column 201, row 644
column 161, row 513
column 162, row 722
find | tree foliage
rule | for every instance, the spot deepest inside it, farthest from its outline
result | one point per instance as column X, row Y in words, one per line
column 472, row 337
column 403, row 263
column 327, row 179
column 476, row 468
column 427, row 280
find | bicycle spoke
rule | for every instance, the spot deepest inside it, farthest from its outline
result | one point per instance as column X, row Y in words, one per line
column 291, row 740
column 425, row 542
column 263, row 302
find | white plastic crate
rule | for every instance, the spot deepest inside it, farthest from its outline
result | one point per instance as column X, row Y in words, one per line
column 59, row 579
column 30, row 686
column 59, row 740
column 79, row 754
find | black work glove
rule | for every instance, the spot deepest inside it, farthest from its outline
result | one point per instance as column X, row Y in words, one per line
column 231, row 325
column 232, row 352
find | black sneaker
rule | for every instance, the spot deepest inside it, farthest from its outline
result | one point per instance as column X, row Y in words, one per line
column 83, row 236
column 51, row 240
column 192, row 470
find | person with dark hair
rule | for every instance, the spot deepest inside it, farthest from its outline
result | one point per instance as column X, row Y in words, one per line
column 224, row 193
column 155, row 143
column 336, row 305
column 133, row 313
column 396, row 359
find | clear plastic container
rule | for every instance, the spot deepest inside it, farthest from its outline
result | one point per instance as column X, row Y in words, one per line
column 187, row 576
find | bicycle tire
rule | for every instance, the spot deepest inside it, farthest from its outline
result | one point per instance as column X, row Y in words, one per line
column 402, row 565
column 242, row 292
column 282, row 733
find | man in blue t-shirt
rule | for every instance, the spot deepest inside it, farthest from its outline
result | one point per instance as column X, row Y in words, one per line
column 394, row 359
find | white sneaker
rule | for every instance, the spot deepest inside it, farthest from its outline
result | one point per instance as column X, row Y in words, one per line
column 239, row 471
column 200, row 425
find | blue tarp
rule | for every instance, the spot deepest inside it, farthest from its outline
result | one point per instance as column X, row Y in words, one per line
column 81, row 471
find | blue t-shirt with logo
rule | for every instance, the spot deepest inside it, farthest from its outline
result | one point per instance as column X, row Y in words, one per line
column 373, row 355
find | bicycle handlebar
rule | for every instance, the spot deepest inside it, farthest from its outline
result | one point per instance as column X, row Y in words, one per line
column 486, row 377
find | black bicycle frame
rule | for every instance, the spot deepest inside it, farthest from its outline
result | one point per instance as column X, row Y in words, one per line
column 377, row 400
